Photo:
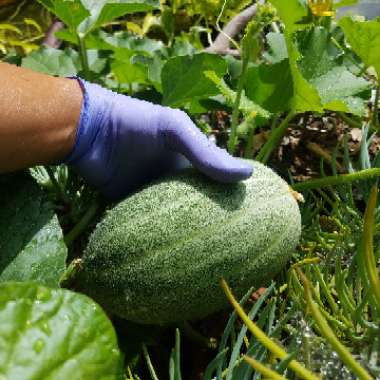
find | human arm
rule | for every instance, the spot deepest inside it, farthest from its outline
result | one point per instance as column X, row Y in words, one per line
column 117, row 143
column 38, row 117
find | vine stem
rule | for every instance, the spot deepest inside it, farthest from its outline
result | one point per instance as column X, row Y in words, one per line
column 272, row 346
column 82, row 224
column 274, row 139
column 351, row 122
column 235, row 112
column 84, row 57
column 375, row 116
column 328, row 333
column 149, row 363
column 195, row 336
column 368, row 250
column 337, row 180
column 57, row 186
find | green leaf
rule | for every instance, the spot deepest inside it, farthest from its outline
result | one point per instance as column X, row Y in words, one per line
column 305, row 97
column 292, row 13
column 271, row 86
column 31, row 241
column 316, row 51
column 320, row 65
column 246, row 106
column 71, row 12
column 103, row 11
column 126, row 70
column 183, row 78
column 139, row 44
column 53, row 61
column 82, row 16
column 344, row 3
column 54, row 334
column 338, row 88
column 277, row 51
column 364, row 38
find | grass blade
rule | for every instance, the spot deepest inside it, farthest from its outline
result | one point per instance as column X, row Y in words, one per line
column 329, row 335
column 264, row 339
column 368, row 252
column 267, row 372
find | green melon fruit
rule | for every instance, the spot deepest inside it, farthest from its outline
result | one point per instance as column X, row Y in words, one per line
column 158, row 256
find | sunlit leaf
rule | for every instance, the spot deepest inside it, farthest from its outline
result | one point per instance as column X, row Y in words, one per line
column 54, row 334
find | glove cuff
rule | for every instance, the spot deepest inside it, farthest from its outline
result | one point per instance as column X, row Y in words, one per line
column 93, row 117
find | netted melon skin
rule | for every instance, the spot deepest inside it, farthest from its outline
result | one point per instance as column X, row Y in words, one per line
column 158, row 256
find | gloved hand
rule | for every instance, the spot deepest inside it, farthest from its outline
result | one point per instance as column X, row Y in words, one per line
column 123, row 143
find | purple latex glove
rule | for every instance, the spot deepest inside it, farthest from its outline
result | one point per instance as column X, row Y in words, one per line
column 124, row 142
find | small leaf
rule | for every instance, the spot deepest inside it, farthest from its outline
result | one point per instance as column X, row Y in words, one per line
column 31, row 22
column 31, row 241
column 246, row 106
column 183, row 78
column 10, row 28
column 54, row 334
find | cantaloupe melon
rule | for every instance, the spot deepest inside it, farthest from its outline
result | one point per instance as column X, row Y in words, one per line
column 157, row 256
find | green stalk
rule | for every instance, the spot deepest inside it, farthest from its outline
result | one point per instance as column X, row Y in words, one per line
column 274, row 139
column 375, row 116
column 351, row 122
column 84, row 57
column 248, row 152
column 235, row 112
column 82, row 224
column 326, row 290
column 271, row 345
column 267, row 372
column 149, row 363
column 329, row 335
column 337, row 180
column 368, row 253
column 70, row 273
column 57, row 186
column 197, row 337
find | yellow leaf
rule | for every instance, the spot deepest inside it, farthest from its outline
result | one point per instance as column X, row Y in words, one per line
column 321, row 8
column 10, row 28
column 134, row 28
column 31, row 22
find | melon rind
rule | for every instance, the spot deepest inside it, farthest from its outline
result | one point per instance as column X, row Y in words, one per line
column 157, row 257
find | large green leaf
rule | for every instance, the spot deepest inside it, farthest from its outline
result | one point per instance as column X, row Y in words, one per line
column 271, row 86
column 292, row 14
column 364, row 38
column 317, row 56
column 53, row 61
column 31, row 241
column 71, row 12
column 82, row 16
column 277, row 51
column 320, row 65
column 305, row 97
column 126, row 70
column 183, row 78
column 338, row 89
column 103, row 11
column 54, row 334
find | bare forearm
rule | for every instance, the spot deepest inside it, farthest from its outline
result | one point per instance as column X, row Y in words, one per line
column 38, row 117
